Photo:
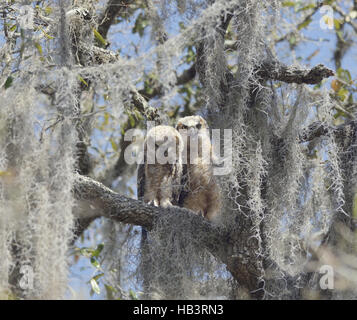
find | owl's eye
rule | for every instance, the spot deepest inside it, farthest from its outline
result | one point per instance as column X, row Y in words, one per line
column 198, row 126
column 184, row 127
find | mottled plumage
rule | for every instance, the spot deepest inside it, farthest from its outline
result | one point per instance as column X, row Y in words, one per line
column 201, row 192
column 162, row 166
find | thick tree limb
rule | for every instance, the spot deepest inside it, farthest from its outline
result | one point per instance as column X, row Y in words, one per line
column 318, row 129
column 291, row 74
column 102, row 201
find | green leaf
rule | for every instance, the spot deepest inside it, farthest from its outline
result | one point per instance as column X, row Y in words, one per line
column 337, row 24
column 304, row 24
column 82, row 80
column 133, row 295
column 95, row 263
column 38, row 47
column 343, row 93
column 292, row 40
column 288, row 4
column 95, row 286
column 98, row 276
column 8, row 82
column 98, row 250
column 340, row 35
column 344, row 74
column 86, row 252
column 48, row 10
column 114, row 144
column 106, row 119
column 140, row 24
column 47, row 35
column 99, row 37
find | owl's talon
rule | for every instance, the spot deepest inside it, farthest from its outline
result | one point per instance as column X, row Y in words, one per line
column 166, row 203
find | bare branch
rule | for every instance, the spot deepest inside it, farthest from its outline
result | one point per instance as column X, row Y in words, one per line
column 114, row 8
column 143, row 107
column 187, row 75
column 318, row 129
column 292, row 74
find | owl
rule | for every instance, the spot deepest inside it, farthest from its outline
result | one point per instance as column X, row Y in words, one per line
column 201, row 192
column 163, row 149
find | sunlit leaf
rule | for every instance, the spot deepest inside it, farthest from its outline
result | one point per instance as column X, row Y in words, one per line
column 48, row 10
column 82, row 80
column 99, row 37
column 98, row 250
column 38, row 47
column 47, row 35
column 337, row 24
column 336, row 85
column 114, row 144
column 288, row 4
column 292, row 40
column 86, row 252
column 95, row 286
column 140, row 24
column 344, row 74
column 98, row 276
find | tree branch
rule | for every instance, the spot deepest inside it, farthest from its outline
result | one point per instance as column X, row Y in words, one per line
column 291, row 74
column 143, row 107
column 101, row 201
column 113, row 9
column 318, row 129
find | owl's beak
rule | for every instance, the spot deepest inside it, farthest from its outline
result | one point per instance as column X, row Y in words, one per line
column 192, row 131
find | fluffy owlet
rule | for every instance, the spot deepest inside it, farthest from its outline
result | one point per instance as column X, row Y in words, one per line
column 163, row 148
column 201, row 192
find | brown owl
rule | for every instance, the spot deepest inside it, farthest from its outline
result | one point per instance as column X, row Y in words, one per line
column 163, row 148
column 201, row 192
